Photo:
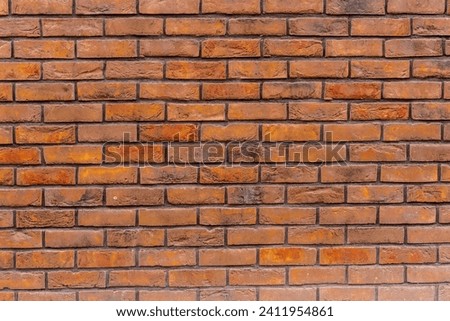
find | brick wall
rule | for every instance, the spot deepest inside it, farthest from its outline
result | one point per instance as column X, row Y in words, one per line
column 224, row 150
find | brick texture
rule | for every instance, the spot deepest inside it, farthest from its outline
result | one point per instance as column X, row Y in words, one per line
column 224, row 150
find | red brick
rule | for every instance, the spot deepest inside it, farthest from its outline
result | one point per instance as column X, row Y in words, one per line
column 347, row 294
column 4, row 7
column 106, row 217
column 257, row 69
column 230, row 48
column 378, row 235
column 412, row 90
column 6, row 92
column 287, row 216
column 431, row 26
column 428, row 234
column 28, row 27
column 409, row 174
column 5, row 49
column 107, row 295
column 351, row 173
column 73, row 238
column 106, row 48
column 431, row 68
column 375, row 194
column 379, row 111
column 353, row 90
column 167, row 217
column 20, row 239
column 46, row 296
column 196, row 195
column 6, row 136
column 316, row 275
column 168, row 295
column 45, row 218
column 313, row 235
column 7, row 260
column 73, row 113
column 6, row 219
column 427, row 274
column 194, row 112
column 236, row 294
column 378, row 152
column 375, row 275
column 105, row 7
column 380, row 69
column 195, row 70
column 106, row 91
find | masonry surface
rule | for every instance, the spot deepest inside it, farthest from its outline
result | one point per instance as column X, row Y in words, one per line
column 224, row 150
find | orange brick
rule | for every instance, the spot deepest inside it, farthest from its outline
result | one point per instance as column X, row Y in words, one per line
column 45, row 259
column 409, row 173
column 194, row 112
column 250, row 236
column 378, row 235
column 291, row 132
column 20, row 239
column 45, row 218
column 289, row 174
column 261, row 194
column 375, row 275
column 319, row 69
column 72, row 27
column 227, row 216
column 134, row 69
column 411, row 6
column 407, row 215
column 73, row 113
column 347, row 255
column 266, row 276
column 169, row 48
column 170, row 295
column 430, row 111
column 46, row 176
column 136, row 278
column 106, row 48
column 228, row 257
column 22, row 280
column 229, row 91
column 195, row 237
column 169, row 6
column 428, row 234
column 86, row 154
column 74, row 280
column 257, row 26
column 132, row 238
column 406, row 293
column 347, row 293
column 195, row 70
column 6, row 219
column 350, row 90
column 232, row 132
column 315, row 194
column 314, row 26
column 168, row 175
column 378, row 152
column 257, row 69
column 20, row 197
column 231, row 6
column 4, row 6
column 379, row 111
column 167, row 258
column 21, row 155
column 105, row 175
column 105, row 7
column 35, row 7
column 131, row 26
column 354, row 48
column 413, row 48
column 76, row 196
column 374, row 69
column 384, row 27
column 106, row 217
column 7, row 260
column 316, row 275
column 355, row 7
column 197, row 278
column 105, row 258
column 44, row 49
column 73, row 238
column 45, row 134
column 46, row 296
column 230, row 48
column 236, row 294
column 315, row 235
column 375, row 194
column 170, row 91
column 106, row 91
column 134, row 153
column 412, row 90
column 351, row 173
column 287, row 256
column 256, row 111
column 290, row 6
column 292, row 47
column 220, row 175
column 196, row 195
column 5, row 49
column 28, row 27
column 138, row 196
column 172, row 132
column 107, row 295
column 416, row 131
column 45, row 92
column 428, row 194
column 195, row 27
column 20, row 71
column 6, row 92
column 432, row 26
column 407, row 255
column 167, row 217
column 287, row 216
column 287, row 294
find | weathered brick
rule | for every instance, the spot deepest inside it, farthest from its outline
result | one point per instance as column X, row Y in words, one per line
column 45, row 92
column 35, row 7
column 197, row 278
column 383, row 27
column 290, row 6
column 231, row 6
column 355, row 7
column 45, row 260
column 407, row 255
column 292, row 47
column 257, row 26
column 73, row 113
column 347, row 255
column 417, row 131
column 44, row 49
column 72, row 70
column 313, row 26
column 354, row 48
column 375, row 194
column 347, row 215
column 378, row 152
column 315, row 194
column 169, row 48
column 411, row 6
column 138, row 196
column 105, row 258
column 133, row 26
column 266, row 276
column 90, row 7
column 228, row 257
column 169, row 6
column 379, row 111
column 413, row 48
column 167, row 258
